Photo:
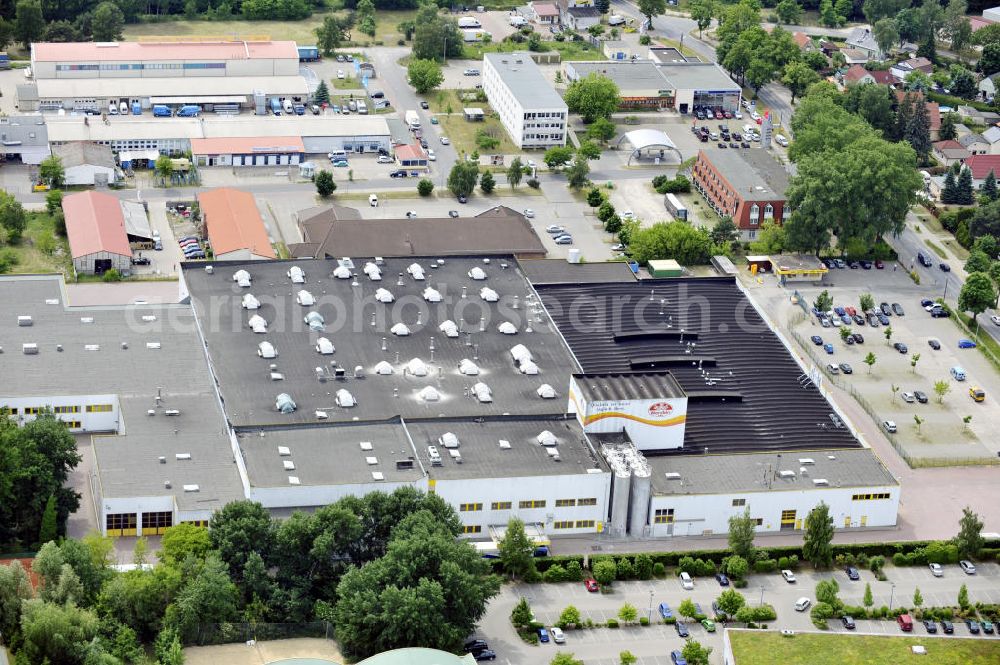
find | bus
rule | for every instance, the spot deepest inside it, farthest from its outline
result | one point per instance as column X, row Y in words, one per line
column 675, row 207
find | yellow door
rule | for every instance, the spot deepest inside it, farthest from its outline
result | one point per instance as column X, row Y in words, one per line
column 847, row 522
column 788, row 520
column 864, row 520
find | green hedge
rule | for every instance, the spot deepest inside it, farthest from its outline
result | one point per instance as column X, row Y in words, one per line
column 955, row 102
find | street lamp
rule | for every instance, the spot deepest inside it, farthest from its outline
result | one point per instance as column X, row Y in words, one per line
column 650, row 616
column 892, row 592
column 762, row 595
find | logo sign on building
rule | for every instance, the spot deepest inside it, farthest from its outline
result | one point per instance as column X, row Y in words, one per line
column 766, row 131
column 652, row 424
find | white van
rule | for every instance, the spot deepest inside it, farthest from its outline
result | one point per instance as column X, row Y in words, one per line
column 518, row 21
column 958, row 373
column 123, row 108
column 112, row 108
column 616, row 19
column 287, row 105
column 802, row 604
column 337, row 154
column 373, row 200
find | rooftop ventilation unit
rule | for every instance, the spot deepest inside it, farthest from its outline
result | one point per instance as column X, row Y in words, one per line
column 257, row 324
column 183, row 456
column 91, row 347
column 345, row 399
column 153, row 345
column 191, row 488
column 242, row 278
column 293, row 480
column 315, row 320
column 365, row 445
column 672, row 475
column 520, row 353
column 547, row 438
column 371, row 461
column 266, row 350
column 24, row 321
column 448, row 440
column 404, row 464
column 384, row 296
column 52, row 301
column 373, row 271
column 468, row 368
column 488, row 294
column 249, row 302
column 456, row 456
column 277, row 376
column 786, row 473
column 284, row 451
column 30, row 349
column 429, row 394
column 806, row 460
column 504, row 444
column 324, row 346
column 415, row 271
column 147, row 318
column 341, row 272
column 553, row 453
column 821, row 481
column 378, row 475
column 507, row 328
column 432, row 295
column 528, row 367
column 449, row 328
column 400, row 330
column 434, row 455
column 86, row 319
column 416, row 367
column 383, row 368
column 482, row 392
column 545, row 391
column 171, row 412
column 297, row 275
column 321, row 415
column 284, row 403
column 477, row 273
column 346, row 262
column 305, row 298
column 289, row 465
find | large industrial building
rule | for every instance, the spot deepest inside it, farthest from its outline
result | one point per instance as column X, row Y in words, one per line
column 584, row 402
column 530, row 109
column 93, row 76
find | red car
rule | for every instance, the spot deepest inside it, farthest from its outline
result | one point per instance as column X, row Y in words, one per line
column 879, row 265
column 850, row 311
column 591, row 585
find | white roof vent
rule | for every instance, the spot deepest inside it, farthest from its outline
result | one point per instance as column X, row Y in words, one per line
column 324, row 346
column 345, row 399
column 488, row 294
column 257, row 324
column 91, row 347
column 786, row 473
column 182, row 456
column 529, row 367
column 504, row 444
column 293, row 480
column 416, row 367
column 285, row 403
column 553, row 453
column 30, row 349
column 249, row 302
column 477, row 273
column 191, row 488
column 289, row 465
column 373, row 271
column 153, row 345
column 383, row 368
column 342, row 272
column 284, row 451
column 468, row 368
column 806, row 460
column 24, row 321
column 365, row 445
column 482, row 392
column 315, row 320
column 432, row 295
column 378, row 475
column 545, row 391
column 456, row 456
column 321, row 415
column 242, row 278
column 86, row 319
column 415, row 271
column 297, row 275
column 520, row 353
column 821, row 481
column 449, row 328
column 147, row 318
column 383, row 295
column 266, row 350
column 429, row 394
column 547, row 438
column 507, row 328
column 305, row 298
column 400, row 330
column 448, row 440
column 672, row 475
column 371, row 461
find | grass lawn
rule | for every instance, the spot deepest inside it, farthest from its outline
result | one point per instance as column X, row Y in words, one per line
column 937, row 250
column 568, row 50
column 463, row 134
column 766, row 648
column 31, row 254
column 960, row 252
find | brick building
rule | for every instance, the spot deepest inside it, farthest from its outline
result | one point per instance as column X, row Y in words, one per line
column 747, row 185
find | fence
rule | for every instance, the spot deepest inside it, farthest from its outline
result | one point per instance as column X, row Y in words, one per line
column 230, row 633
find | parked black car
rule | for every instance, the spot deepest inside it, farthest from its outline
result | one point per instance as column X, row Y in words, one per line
column 475, row 645
column 930, row 626
column 682, row 629
column 140, row 261
column 899, row 346
column 948, row 627
column 399, row 173
column 848, row 622
column 852, row 573
column 486, row 654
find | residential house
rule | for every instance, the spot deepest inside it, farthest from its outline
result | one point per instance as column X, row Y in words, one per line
column 857, row 74
column 980, row 165
column 975, row 143
column 804, row 41
column 977, row 116
column 978, row 23
column 992, row 136
column 949, row 152
column 827, row 47
column 853, row 56
column 988, row 87
column 578, row 15
column 862, row 39
column 545, row 13
column 901, row 69
column 87, row 163
column 933, row 111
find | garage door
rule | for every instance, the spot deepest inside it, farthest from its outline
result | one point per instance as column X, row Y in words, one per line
column 259, row 160
column 272, row 160
column 282, row 159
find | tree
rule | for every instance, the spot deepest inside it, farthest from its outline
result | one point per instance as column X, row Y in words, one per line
column 918, row 598
column 989, row 61
column 570, row 616
column 325, row 186
column 462, row 178
column 435, row 34
column 594, row 96
column 985, row 220
column 238, row 528
column 651, row 9
column 563, row 658
column 210, row 597
column 736, row 566
column 824, row 301
column 886, row 35
column 322, row 94
column 828, row 14
column 602, row 130
column 522, row 615
column 29, row 26
column 826, row 592
column 816, row 545
column 425, row 187
column 108, row 22
column 866, row 301
column 51, row 172
column 789, row 12
column 963, row 187
column 424, row 75
column 696, row 654
column 330, row 34
column 576, row 174
column 730, row 601
column 798, row 76
column 742, row 529
column 364, row 14
column 725, row 232
column 956, row 26
column 963, row 597
column 989, row 189
column 15, row 588
column 963, row 82
column 627, row 658
column 970, row 539
column 47, row 532
column 589, row 150
column 687, row 609
column 514, row 173
column 978, row 261
column 947, row 131
column 516, row 550
column 880, row 9
column 430, row 588
column 604, row 571
column 557, row 156
column 164, row 168
column 868, row 601
column 918, row 131
column 949, row 193
column 702, row 12
column 977, row 294
column 771, row 239
column 628, row 613
column 55, row 633
column 183, row 540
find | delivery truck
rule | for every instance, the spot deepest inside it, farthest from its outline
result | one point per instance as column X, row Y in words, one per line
column 412, row 120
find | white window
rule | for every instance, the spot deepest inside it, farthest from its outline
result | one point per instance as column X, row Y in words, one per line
column 768, row 211
column 754, row 211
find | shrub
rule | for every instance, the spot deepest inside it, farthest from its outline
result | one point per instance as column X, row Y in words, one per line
column 643, row 621
column 533, row 183
column 659, row 570
column 645, row 40
column 783, row 563
column 687, row 565
column 740, row 584
column 659, row 180
column 112, row 276
column 820, row 614
column 643, row 566
column 763, row 613
column 425, row 187
column 899, row 559
column 706, row 568
column 595, row 198
column 612, row 623
column 555, row 573
column 574, row 571
column 670, row 621
column 625, row 570
column 765, row 566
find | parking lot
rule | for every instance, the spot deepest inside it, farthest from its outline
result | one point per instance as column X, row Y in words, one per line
column 652, row 644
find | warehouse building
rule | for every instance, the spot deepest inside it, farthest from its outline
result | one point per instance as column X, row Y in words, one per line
column 234, row 226
column 24, row 138
column 530, row 109
column 96, row 76
column 88, row 164
column 261, row 151
column 98, row 239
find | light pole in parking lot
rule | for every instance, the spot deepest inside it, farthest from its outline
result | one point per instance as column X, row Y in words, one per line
column 650, row 616
column 892, row 592
column 762, row 594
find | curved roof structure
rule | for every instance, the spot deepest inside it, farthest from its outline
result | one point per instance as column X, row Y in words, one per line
column 643, row 139
column 418, row 656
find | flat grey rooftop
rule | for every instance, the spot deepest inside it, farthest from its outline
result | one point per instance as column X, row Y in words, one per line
column 359, row 327
column 755, row 174
column 628, row 386
column 483, row 457
column 560, row 271
column 127, row 465
column 760, row 472
column 698, row 76
column 525, row 80
column 628, row 75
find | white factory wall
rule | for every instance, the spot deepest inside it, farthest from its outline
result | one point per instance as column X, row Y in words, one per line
column 697, row 514
column 304, row 496
column 135, row 506
column 95, row 421
column 86, row 174
column 529, row 488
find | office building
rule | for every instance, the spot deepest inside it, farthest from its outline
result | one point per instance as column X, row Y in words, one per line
column 530, row 109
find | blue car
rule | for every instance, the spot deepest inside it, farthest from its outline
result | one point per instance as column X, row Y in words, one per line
column 846, row 320
column 665, row 611
column 543, row 635
column 840, row 311
column 817, row 340
column 677, row 658
column 966, row 344
column 828, row 348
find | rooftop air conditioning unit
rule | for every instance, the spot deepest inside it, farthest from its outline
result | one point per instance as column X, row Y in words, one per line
column 821, row 481
column 345, row 399
column 293, row 480
column 172, row 412
column 284, row 451
column 786, row 473
column 183, row 456
column 448, row 440
column 296, row 274
column 30, row 349
column 24, row 321
column 672, row 475
column 288, row 465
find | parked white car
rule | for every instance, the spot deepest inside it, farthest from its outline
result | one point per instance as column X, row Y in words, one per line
column 557, row 634
column 789, row 576
column 686, row 581
column 936, row 570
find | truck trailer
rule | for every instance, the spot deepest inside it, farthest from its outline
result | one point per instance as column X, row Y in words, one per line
column 308, row 53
